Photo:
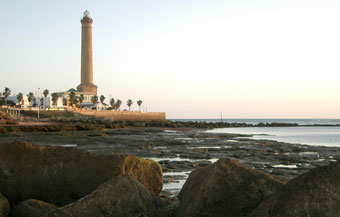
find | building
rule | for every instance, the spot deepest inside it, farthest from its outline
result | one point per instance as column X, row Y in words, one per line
column 46, row 102
column 15, row 101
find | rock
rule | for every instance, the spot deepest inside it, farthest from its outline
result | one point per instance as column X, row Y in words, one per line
column 4, row 206
column 62, row 175
column 58, row 213
column 3, row 130
column 313, row 194
column 31, row 208
column 11, row 121
column 2, row 114
column 3, row 121
column 225, row 188
column 121, row 196
column 165, row 206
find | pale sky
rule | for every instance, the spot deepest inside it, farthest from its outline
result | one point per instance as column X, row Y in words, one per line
column 188, row 58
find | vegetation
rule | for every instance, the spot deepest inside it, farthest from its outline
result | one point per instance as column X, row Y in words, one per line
column 46, row 92
column 129, row 103
column 55, row 97
column 102, row 98
column 112, row 102
column 20, row 98
column 6, row 94
column 94, row 99
column 75, row 101
column 139, row 102
column 72, row 97
column 81, row 98
column 117, row 104
column 30, row 98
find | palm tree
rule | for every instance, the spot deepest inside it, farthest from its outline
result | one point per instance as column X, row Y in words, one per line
column 129, row 103
column 20, row 97
column 30, row 98
column 139, row 102
column 72, row 97
column 118, row 104
column 81, row 98
column 102, row 98
column 46, row 92
column 6, row 94
column 112, row 102
column 55, row 97
column 94, row 99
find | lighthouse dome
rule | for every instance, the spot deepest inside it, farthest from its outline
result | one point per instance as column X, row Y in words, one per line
column 87, row 14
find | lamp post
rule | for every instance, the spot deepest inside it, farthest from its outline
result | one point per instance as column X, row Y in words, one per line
column 38, row 102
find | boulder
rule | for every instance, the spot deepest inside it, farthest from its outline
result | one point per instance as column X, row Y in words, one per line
column 31, row 208
column 62, row 175
column 58, row 213
column 313, row 194
column 4, row 206
column 225, row 188
column 121, row 196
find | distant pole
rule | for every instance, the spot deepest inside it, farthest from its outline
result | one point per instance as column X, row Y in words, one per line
column 221, row 117
column 38, row 102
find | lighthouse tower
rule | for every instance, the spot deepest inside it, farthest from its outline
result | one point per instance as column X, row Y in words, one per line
column 86, row 82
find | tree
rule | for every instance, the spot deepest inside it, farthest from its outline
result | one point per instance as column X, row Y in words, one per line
column 6, row 94
column 55, row 97
column 94, row 99
column 129, row 103
column 118, row 104
column 102, row 98
column 20, row 97
column 139, row 102
column 72, row 97
column 46, row 92
column 112, row 102
column 30, row 98
column 81, row 98
column 75, row 101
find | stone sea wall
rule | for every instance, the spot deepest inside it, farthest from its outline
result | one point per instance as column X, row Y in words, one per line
column 126, row 115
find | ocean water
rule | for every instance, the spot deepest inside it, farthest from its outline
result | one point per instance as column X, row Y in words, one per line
column 320, row 136
column 256, row 121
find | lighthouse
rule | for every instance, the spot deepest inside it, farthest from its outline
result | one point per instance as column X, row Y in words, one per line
column 86, row 82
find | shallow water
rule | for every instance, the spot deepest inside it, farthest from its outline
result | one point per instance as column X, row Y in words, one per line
column 319, row 136
column 256, row 121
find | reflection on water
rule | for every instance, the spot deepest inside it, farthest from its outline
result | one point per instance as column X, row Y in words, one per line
column 177, row 181
column 323, row 136
column 284, row 166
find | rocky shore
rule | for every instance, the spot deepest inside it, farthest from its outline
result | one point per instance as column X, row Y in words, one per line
column 64, row 181
column 62, row 168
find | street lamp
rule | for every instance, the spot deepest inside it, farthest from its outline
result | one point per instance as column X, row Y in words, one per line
column 38, row 102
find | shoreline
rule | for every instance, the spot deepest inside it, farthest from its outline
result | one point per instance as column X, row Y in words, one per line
column 180, row 151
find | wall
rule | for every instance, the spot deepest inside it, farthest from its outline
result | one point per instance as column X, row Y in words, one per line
column 126, row 115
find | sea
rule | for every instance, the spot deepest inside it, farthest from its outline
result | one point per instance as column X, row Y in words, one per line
column 304, row 134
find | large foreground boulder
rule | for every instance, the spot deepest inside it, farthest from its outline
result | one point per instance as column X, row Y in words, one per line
column 313, row 194
column 4, row 206
column 31, row 208
column 225, row 188
column 62, row 175
column 121, row 196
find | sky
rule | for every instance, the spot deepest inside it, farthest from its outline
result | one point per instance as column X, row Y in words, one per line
column 188, row 58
